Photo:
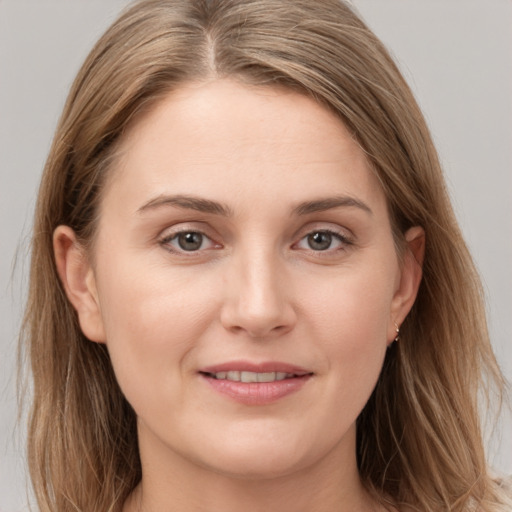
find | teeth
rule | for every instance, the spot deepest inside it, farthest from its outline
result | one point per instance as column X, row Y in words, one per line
column 248, row 377
column 266, row 377
column 252, row 376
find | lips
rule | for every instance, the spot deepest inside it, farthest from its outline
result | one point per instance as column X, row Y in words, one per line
column 255, row 384
column 237, row 376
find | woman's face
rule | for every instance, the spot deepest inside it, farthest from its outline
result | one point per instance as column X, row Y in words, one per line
column 245, row 281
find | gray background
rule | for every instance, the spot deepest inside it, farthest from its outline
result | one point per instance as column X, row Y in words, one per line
column 457, row 55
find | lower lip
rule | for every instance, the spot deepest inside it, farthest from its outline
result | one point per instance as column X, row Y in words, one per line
column 257, row 393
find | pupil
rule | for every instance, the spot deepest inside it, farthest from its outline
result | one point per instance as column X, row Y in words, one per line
column 190, row 241
column 320, row 241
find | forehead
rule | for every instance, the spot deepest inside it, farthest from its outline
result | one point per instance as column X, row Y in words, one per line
column 225, row 138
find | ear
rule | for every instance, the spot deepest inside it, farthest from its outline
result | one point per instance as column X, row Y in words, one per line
column 410, row 279
column 77, row 276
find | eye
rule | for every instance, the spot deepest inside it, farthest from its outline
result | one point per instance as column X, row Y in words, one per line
column 188, row 241
column 322, row 240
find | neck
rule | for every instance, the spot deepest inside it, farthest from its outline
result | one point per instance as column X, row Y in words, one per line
column 172, row 483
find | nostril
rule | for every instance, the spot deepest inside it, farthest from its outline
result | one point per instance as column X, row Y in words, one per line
column 257, row 306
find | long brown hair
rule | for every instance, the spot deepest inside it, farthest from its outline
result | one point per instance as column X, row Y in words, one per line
column 419, row 439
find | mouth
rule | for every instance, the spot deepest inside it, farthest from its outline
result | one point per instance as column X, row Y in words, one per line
column 255, row 384
column 246, row 376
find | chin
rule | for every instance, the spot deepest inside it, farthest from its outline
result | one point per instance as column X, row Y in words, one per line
column 257, row 458
column 259, row 468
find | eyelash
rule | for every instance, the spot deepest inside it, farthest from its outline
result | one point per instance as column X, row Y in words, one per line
column 340, row 237
column 166, row 242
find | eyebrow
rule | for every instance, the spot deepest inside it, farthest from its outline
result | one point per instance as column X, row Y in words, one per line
column 213, row 207
column 189, row 203
column 328, row 203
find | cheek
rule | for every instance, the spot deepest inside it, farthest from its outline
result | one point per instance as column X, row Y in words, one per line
column 353, row 306
column 349, row 319
column 153, row 317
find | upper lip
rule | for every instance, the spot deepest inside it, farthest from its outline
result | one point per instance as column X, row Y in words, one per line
column 264, row 367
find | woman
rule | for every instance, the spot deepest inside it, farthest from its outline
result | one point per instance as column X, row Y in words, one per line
column 248, row 287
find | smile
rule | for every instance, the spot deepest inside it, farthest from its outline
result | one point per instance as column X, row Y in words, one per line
column 237, row 376
column 255, row 384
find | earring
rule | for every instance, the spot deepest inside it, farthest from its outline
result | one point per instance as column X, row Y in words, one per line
column 397, row 329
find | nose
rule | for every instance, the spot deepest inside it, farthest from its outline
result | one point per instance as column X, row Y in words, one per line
column 258, row 297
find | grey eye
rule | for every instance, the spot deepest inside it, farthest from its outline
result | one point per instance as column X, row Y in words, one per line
column 319, row 241
column 190, row 241
column 185, row 241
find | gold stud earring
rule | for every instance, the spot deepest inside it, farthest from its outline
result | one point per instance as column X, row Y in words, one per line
column 397, row 329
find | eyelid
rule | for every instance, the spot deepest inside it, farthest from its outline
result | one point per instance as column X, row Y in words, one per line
column 325, row 226
column 343, row 235
column 172, row 233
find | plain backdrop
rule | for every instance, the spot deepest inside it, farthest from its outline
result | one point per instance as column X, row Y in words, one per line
column 456, row 54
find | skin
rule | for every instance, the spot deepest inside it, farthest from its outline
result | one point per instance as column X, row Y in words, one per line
column 256, row 289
